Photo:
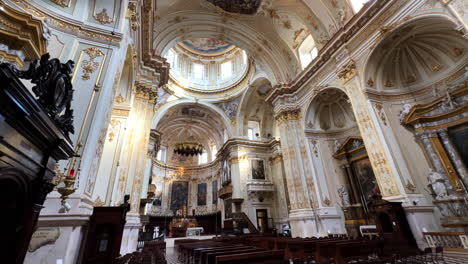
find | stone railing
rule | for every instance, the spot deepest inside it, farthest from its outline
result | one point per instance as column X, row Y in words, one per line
column 450, row 241
column 454, row 212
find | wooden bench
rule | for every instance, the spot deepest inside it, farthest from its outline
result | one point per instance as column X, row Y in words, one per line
column 266, row 257
column 211, row 257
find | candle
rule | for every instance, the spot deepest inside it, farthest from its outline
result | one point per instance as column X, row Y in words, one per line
column 71, row 174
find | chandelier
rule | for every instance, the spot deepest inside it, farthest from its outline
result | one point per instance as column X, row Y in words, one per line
column 188, row 148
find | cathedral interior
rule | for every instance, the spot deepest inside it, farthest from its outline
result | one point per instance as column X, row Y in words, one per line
column 234, row 131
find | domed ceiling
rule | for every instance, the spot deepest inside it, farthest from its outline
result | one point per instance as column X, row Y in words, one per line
column 207, row 68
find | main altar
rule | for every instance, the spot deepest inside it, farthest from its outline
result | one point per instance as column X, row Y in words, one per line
column 178, row 226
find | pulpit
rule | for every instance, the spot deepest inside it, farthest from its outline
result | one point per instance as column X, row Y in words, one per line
column 33, row 136
column 392, row 225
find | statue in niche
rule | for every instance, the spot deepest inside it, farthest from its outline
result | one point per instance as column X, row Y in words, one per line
column 405, row 111
column 344, row 196
column 437, row 185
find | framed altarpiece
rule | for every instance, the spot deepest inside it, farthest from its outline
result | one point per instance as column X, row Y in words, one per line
column 441, row 128
column 361, row 184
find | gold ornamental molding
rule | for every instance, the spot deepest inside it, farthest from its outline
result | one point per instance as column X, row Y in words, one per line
column 21, row 31
column 78, row 29
column 287, row 115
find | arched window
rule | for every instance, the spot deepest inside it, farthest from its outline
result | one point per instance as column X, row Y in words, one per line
column 226, row 70
column 171, row 57
column 357, row 4
column 198, row 71
column 161, row 156
column 214, row 151
column 203, row 158
column 307, row 51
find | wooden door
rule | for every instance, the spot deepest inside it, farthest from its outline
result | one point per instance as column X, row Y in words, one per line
column 262, row 220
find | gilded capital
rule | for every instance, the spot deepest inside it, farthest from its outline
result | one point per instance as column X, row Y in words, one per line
column 293, row 114
column 348, row 71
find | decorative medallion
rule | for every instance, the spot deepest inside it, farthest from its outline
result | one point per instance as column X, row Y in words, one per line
column 90, row 66
column 246, row 7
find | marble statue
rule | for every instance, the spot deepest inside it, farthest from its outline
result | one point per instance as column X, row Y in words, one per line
column 344, row 195
column 405, row 112
column 437, row 184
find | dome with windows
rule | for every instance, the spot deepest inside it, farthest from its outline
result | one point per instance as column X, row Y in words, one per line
column 207, row 66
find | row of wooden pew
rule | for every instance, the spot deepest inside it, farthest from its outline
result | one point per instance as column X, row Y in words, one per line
column 153, row 252
column 275, row 250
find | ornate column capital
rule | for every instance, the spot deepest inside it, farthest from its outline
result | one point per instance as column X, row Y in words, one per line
column 348, row 71
column 289, row 114
column 145, row 91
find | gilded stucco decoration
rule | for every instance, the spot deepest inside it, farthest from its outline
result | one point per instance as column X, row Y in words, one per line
column 348, row 71
column 62, row 3
column 103, row 17
column 90, row 66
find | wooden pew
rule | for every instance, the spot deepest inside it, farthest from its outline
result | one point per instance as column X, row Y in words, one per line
column 267, row 257
column 211, row 257
column 199, row 254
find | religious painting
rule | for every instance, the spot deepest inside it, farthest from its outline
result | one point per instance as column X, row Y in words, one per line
column 214, row 192
column 366, row 178
column 179, row 195
column 258, row 169
column 226, row 171
column 201, row 194
column 228, row 208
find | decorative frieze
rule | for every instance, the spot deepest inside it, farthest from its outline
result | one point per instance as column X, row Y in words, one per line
column 90, row 66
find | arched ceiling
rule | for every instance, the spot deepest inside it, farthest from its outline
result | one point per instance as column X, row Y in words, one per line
column 191, row 120
column 270, row 35
column 415, row 55
column 330, row 111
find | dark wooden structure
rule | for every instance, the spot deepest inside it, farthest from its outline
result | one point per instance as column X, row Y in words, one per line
column 33, row 137
column 392, row 225
column 104, row 236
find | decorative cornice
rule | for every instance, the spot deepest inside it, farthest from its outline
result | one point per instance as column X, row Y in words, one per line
column 22, row 32
column 287, row 115
column 75, row 28
column 157, row 63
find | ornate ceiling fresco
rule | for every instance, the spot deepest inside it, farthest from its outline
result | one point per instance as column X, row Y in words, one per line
column 269, row 31
column 206, row 45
